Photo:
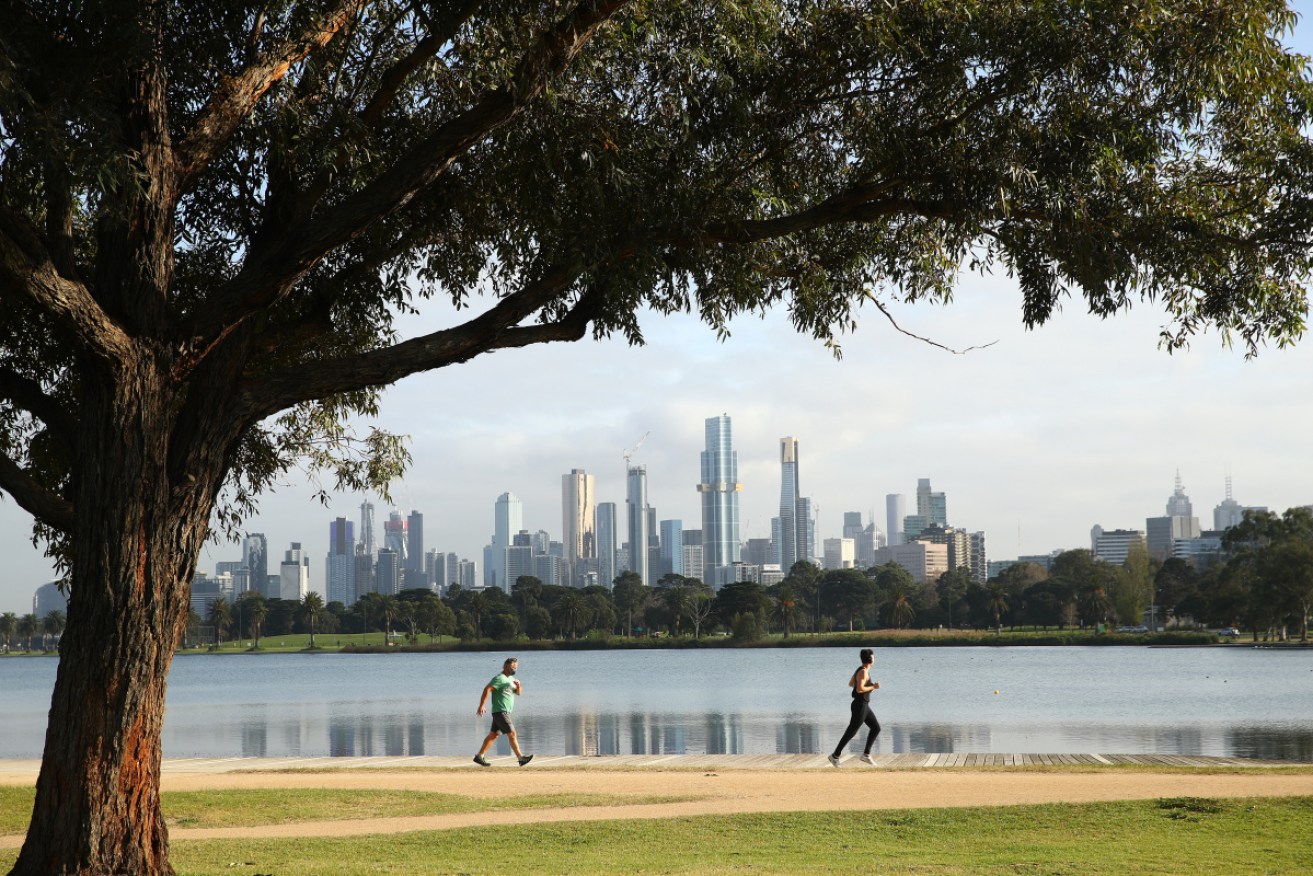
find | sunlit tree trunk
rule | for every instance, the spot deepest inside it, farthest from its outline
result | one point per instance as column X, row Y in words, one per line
column 97, row 808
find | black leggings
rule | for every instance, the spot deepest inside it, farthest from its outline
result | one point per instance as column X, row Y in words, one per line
column 862, row 714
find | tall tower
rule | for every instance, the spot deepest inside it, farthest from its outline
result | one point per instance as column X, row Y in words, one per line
column 932, row 506
column 367, row 529
column 508, row 519
column 414, row 542
column 340, row 564
column 255, row 553
column 578, row 519
column 636, row 508
column 1179, row 504
column 789, row 495
column 606, row 543
column 720, row 498
column 895, row 509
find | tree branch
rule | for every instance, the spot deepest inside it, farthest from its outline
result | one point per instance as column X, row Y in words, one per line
column 236, row 96
column 264, row 279
column 42, row 504
column 27, row 394
column 497, row 328
column 28, row 267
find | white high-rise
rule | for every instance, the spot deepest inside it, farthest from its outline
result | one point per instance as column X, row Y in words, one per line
column 294, row 574
column 719, row 490
column 607, row 528
column 508, row 519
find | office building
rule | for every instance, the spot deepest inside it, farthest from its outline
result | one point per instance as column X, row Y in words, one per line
column 895, row 509
column 930, row 505
column 840, row 553
column 1114, row 545
column 294, row 574
column 578, row 520
column 672, row 547
column 636, row 517
column 48, row 598
column 255, row 556
column 508, row 519
column 607, row 543
column 1161, row 533
column 924, row 560
column 414, row 560
column 958, row 542
column 806, row 531
column 340, row 564
column 719, row 490
column 1230, row 512
column 979, row 559
column 387, row 572
column 787, row 532
column 757, row 551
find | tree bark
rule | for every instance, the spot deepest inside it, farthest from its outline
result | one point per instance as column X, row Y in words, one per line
column 97, row 808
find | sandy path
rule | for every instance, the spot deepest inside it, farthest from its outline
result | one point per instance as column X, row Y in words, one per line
column 724, row 792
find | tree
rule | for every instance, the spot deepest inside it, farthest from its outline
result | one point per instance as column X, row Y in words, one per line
column 221, row 618
column 312, row 611
column 631, row 596
column 952, row 588
column 849, row 593
column 901, row 612
column 255, row 608
column 701, row 603
column 8, row 626
column 805, row 579
column 742, row 599
column 1133, row 591
column 785, row 605
column 27, row 626
column 570, row 611
column 208, row 217
column 998, row 603
column 52, row 625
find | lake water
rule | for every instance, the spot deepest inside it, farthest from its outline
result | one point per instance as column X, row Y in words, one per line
column 1230, row 701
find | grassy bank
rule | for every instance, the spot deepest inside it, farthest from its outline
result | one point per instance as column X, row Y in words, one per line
column 1176, row 836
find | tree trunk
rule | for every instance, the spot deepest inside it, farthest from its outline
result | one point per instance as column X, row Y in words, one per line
column 97, row 808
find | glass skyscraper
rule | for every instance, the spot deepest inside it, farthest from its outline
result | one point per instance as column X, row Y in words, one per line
column 720, row 490
column 606, row 543
column 636, row 506
column 789, row 495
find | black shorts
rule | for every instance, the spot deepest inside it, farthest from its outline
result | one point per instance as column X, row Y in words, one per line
column 501, row 722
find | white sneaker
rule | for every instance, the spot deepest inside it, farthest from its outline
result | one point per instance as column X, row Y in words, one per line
column 834, row 760
column 866, row 758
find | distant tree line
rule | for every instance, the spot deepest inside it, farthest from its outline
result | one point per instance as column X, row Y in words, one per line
column 1263, row 584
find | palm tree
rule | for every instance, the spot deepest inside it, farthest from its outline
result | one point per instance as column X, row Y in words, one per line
column 387, row 606
column 312, row 609
column 52, row 625
column 786, row 607
column 569, row 610
column 997, row 603
column 28, row 624
column 900, row 610
column 257, row 611
column 8, row 626
column 221, row 618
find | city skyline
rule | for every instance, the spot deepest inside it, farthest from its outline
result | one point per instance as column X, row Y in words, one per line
column 1035, row 438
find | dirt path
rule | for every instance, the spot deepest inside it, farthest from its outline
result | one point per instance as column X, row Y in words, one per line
column 723, row 792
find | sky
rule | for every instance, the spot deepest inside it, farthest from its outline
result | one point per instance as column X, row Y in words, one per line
column 1034, row 439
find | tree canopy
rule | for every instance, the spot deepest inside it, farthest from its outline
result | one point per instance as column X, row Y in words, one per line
column 210, row 216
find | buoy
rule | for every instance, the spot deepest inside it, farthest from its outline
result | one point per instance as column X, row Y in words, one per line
column 995, row 693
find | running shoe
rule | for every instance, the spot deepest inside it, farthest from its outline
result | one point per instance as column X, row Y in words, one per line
column 481, row 760
column 866, row 758
column 525, row 760
column 834, row 760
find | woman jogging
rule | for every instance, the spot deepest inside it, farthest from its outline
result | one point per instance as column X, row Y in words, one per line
column 862, row 686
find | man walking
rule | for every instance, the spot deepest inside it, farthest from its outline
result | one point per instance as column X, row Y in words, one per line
column 504, row 688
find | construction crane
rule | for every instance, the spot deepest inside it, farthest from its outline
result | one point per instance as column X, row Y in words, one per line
column 630, row 452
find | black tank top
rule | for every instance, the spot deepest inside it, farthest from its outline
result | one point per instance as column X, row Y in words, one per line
column 864, row 696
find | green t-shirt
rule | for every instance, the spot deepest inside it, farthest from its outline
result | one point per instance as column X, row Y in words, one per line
column 503, row 693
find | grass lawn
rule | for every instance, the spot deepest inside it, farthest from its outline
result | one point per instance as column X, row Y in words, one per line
column 1243, row 837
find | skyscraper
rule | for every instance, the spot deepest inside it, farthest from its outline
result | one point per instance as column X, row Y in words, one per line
column 606, row 543
column 1179, row 524
column 578, row 520
column 340, row 564
column 672, row 547
column 789, row 495
column 636, row 511
column 294, row 574
column 394, row 537
column 367, row 529
column 720, row 498
column 895, row 509
column 414, row 542
column 255, row 553
column 932, row 506
column 508, row 519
